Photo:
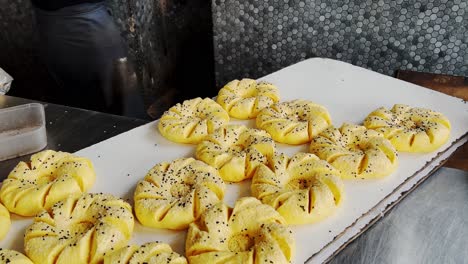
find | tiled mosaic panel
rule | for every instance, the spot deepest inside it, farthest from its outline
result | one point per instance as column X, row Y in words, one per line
column 253, row 38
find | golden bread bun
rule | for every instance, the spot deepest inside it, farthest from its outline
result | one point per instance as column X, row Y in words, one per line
column 236, row 151
column 251, row 232
column 13, row 257
column 79, row 230
column 356, row 151
column 191, row 121
column 5, row 221
column 303, row 189
column 410, row 129
column 173, row 195
column 49, row 177
column 294, row 122
column 149, row 253
column 244, row 99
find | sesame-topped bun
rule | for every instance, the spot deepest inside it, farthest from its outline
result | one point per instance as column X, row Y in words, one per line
column 244, row 99
column 303, row 189
column 251, row 232
column 5, row 221
column 13, row 257
column 410, row 129
column 236, row 151
column 294, row 122
column 356, row 151
column 49, row 177
column 173, row 195
column 79, row 230
column 150, row 253
column 191, row 121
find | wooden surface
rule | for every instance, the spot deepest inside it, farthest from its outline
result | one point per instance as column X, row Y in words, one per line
column 452, row 85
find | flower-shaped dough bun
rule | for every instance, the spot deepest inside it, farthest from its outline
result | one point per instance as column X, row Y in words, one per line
column 49, row 177
column 5, row 221
column 191, row 121
column 303, row 189
column 244, row 99
column 150, row 253
column 13, row 257
column 173, row 195
column 236, row 151
column 294, row 122
column 410, row 129
column 79, row 230
column 251, row 232
column 356, row 151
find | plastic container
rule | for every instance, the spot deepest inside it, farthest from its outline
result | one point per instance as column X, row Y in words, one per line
column 22, row 130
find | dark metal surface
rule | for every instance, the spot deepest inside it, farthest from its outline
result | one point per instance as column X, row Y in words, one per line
column 71, row 129
column 428, row 226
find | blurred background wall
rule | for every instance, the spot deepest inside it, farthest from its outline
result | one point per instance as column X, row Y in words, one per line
column 183, row 49
column 18, row 55
column 170, row 43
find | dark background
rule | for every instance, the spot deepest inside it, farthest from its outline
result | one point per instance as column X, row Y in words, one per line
column 183, row 49
column 169, row 42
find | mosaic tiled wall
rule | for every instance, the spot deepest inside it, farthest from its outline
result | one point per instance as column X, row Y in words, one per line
column 253, row 38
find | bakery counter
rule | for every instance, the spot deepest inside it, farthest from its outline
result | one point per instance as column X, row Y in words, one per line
column 428, row 226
